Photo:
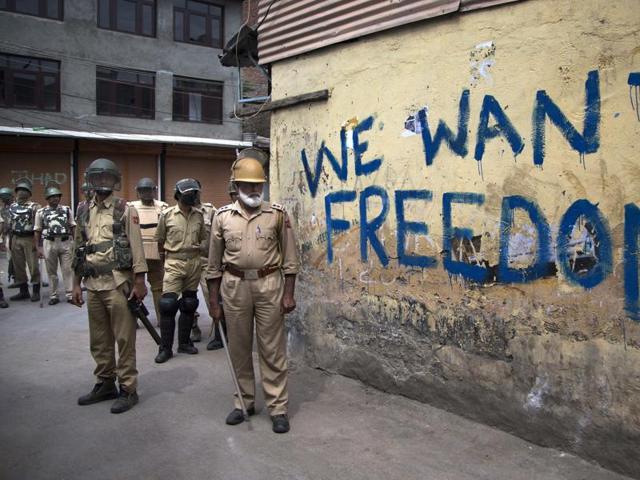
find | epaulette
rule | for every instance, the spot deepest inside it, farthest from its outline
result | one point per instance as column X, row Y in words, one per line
column 224, row 209
column 277, row 206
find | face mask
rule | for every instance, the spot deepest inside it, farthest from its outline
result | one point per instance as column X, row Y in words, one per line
column 189, row 199
column 252, row 201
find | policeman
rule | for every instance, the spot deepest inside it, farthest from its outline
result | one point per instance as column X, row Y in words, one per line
column 253, row 264
column 109, row 256
column 54, row 231
column 23, row 252
column 207, row 212
column 6, row 199
column 87, row 195
column 149, row 210
column 179, row 234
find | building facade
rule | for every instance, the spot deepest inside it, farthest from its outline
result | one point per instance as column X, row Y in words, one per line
column 468, row 205
column 140, row 79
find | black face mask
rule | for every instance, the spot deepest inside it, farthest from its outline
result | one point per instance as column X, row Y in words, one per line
column 189, row 199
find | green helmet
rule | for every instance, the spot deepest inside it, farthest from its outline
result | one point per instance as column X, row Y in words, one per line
column 146, row 182
column 103, row 175
column 51, row 191
column 25, row 184
column 5, row 193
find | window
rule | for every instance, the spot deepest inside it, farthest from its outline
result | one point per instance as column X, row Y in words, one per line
column 197, row 22
column 39, row 8
column 130, row 16
column 27, row 82
column 125, row 93
column 197, row 100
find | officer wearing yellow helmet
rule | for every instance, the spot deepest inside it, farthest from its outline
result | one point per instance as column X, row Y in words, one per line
column 253, row 265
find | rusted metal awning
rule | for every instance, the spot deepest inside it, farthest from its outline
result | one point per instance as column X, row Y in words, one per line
column 292, row 27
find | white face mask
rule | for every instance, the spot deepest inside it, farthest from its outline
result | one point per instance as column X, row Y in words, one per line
column 252, row 201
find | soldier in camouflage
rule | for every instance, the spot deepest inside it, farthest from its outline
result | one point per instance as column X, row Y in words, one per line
column 53, row 239
column 23, row 252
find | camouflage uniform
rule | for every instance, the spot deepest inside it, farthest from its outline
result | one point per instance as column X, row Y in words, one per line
column 56, row 227
column 23, row 251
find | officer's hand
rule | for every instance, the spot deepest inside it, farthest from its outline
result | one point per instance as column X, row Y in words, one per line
column 40, row 252
column 139, row 289
column 76, row 296
column 287, row 304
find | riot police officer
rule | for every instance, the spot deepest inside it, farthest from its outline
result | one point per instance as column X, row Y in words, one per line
column 54, row 231
column 149, row 209
column 109, row 256
column 253, row 265
column 179, row 234
column 23, row 252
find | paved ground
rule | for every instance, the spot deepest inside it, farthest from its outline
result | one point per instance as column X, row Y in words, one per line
column 341, row 429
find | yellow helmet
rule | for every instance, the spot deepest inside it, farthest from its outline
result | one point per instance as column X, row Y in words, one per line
column 248, row 170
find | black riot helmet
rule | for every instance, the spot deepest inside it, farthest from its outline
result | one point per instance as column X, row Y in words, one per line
column 146, row 182
column 187, row 191
column 103, row 176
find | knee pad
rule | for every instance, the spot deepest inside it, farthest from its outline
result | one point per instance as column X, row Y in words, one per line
column 168, row 303
column 189, row 301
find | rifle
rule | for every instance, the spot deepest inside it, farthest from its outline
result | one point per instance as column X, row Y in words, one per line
column 140, row 311
column 40, row 267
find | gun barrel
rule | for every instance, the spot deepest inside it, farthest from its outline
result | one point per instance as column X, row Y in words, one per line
column 140, row 312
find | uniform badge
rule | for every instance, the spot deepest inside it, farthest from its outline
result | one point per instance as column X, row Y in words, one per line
column 136, row 220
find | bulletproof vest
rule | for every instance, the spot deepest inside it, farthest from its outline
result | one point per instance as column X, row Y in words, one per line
column 55, row 221
column 122, row 256
column 148, row 226
column 22, row 217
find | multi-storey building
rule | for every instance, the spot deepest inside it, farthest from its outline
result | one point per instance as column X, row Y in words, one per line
column 137, row 81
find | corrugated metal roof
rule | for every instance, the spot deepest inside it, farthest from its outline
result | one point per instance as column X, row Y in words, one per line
column 127, row 137
column 293, row 27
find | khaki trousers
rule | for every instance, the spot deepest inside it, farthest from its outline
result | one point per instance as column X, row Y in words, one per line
column 154, row 277
column 181, row 275
column 243, row 301
column 23, row 255
column 58, row 252
column 111, row 323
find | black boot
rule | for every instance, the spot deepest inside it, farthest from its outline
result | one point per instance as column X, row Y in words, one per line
column 101, row 391
column 23, row 294
column 164, row 354
column 280, row 423
column 185, row 345
column 35, row 296
column 167, row 329
column 236, row 416
column 125, row 401
column 216, row 342
column 3, row 302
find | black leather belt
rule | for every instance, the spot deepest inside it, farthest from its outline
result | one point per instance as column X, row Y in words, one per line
column 22, row 234
column 144, row 226
column 63, row 238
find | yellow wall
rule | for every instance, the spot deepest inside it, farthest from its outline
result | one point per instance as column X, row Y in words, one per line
column 546, row 350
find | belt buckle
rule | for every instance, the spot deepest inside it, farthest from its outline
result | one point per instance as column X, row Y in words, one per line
column 251, row 275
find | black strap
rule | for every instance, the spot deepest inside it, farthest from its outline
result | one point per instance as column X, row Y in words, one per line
column 148, row 225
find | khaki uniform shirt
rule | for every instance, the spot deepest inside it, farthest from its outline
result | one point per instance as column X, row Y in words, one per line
column 261, row 240
column 180, row 233
column 100, row 229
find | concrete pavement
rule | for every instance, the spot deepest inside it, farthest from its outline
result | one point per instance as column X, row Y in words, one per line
column 340, row 427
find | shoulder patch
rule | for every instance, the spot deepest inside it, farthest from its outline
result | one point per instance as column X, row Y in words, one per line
column 224, row 209
column 277, row 206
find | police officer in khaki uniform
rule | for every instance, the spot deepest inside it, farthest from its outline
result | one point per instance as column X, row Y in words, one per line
column 54, row 231
column 253, row 264
column 179, row 234
column 23, row 252
column 149, row 210
column 109, row 256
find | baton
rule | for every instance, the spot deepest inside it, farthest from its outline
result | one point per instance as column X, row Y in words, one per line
column 245, row 414
column 140, row 311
